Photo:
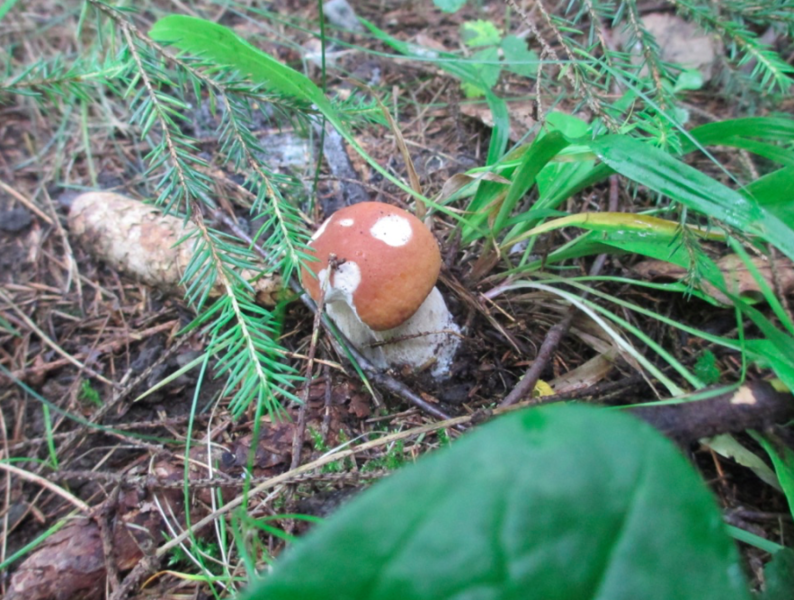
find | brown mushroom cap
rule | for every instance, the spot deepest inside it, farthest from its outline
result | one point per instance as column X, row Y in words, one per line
column 395, row 255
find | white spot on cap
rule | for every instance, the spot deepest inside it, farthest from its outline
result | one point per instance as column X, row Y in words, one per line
column 320, row 231
column 393, row 230
column 346, row 222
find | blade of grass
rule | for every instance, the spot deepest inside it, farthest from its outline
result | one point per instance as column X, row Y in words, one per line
column 666, row 175
column 783, row 461
column 5, row 7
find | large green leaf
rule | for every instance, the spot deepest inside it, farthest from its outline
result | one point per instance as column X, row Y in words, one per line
column 779, row 576
column 563, row 502
column 666, row 175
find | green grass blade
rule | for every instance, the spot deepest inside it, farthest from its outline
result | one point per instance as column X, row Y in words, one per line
column 5, row 7
column 775, row 192
column 666, row 175
column 783, row 461
column 533, row 161
column 725, row 133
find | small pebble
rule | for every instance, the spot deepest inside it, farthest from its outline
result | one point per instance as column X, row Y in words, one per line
column 14, row 220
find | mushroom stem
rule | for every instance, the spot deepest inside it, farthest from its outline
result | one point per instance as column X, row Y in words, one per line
column 430, row 336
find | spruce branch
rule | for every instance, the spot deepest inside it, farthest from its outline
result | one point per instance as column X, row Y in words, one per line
column 650, row 52
column 242, row 334
column 770, row 70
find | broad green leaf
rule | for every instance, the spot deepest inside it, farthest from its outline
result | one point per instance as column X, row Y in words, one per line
column 480, row 33
column 726, row 132
column 662, row 173
column 784, row 156
column 779, row 576
column 555, row 503
column 518, row 58
column 568, row 125
column 449, row 6
column 690, row 79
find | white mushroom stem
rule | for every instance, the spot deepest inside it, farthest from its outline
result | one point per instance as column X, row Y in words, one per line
column 429, row 337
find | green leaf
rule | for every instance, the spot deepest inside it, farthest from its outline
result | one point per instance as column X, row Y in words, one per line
column 637, row 234
column 223, row 46
column 690, row 79
column 664, row 174
column 533, row 161
column 568, row 125
column 449, row 6
column 480, row 33
column 774, row 349
column 779, row 576
column 561, row 502
column 491, row 195
column 775, row 192
column 723, row 132
column 518, row 58
column 783, row 461
column 706, row 368
column 486, row 63
column 471, row 90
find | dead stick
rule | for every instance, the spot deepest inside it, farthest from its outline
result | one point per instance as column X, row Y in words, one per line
column 754, row 405
column 557, row 332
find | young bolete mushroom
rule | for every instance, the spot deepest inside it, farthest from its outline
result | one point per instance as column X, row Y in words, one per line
column 381, row 293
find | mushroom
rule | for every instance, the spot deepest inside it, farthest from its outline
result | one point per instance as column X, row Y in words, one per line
column 381, row 293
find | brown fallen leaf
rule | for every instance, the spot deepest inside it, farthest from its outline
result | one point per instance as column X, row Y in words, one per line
column 522, row 116
column 137, row 239
column 680, row 42
column 70, row 564
column 738, row 277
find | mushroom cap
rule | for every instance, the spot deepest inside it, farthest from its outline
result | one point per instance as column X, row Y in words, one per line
column 391, row 262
